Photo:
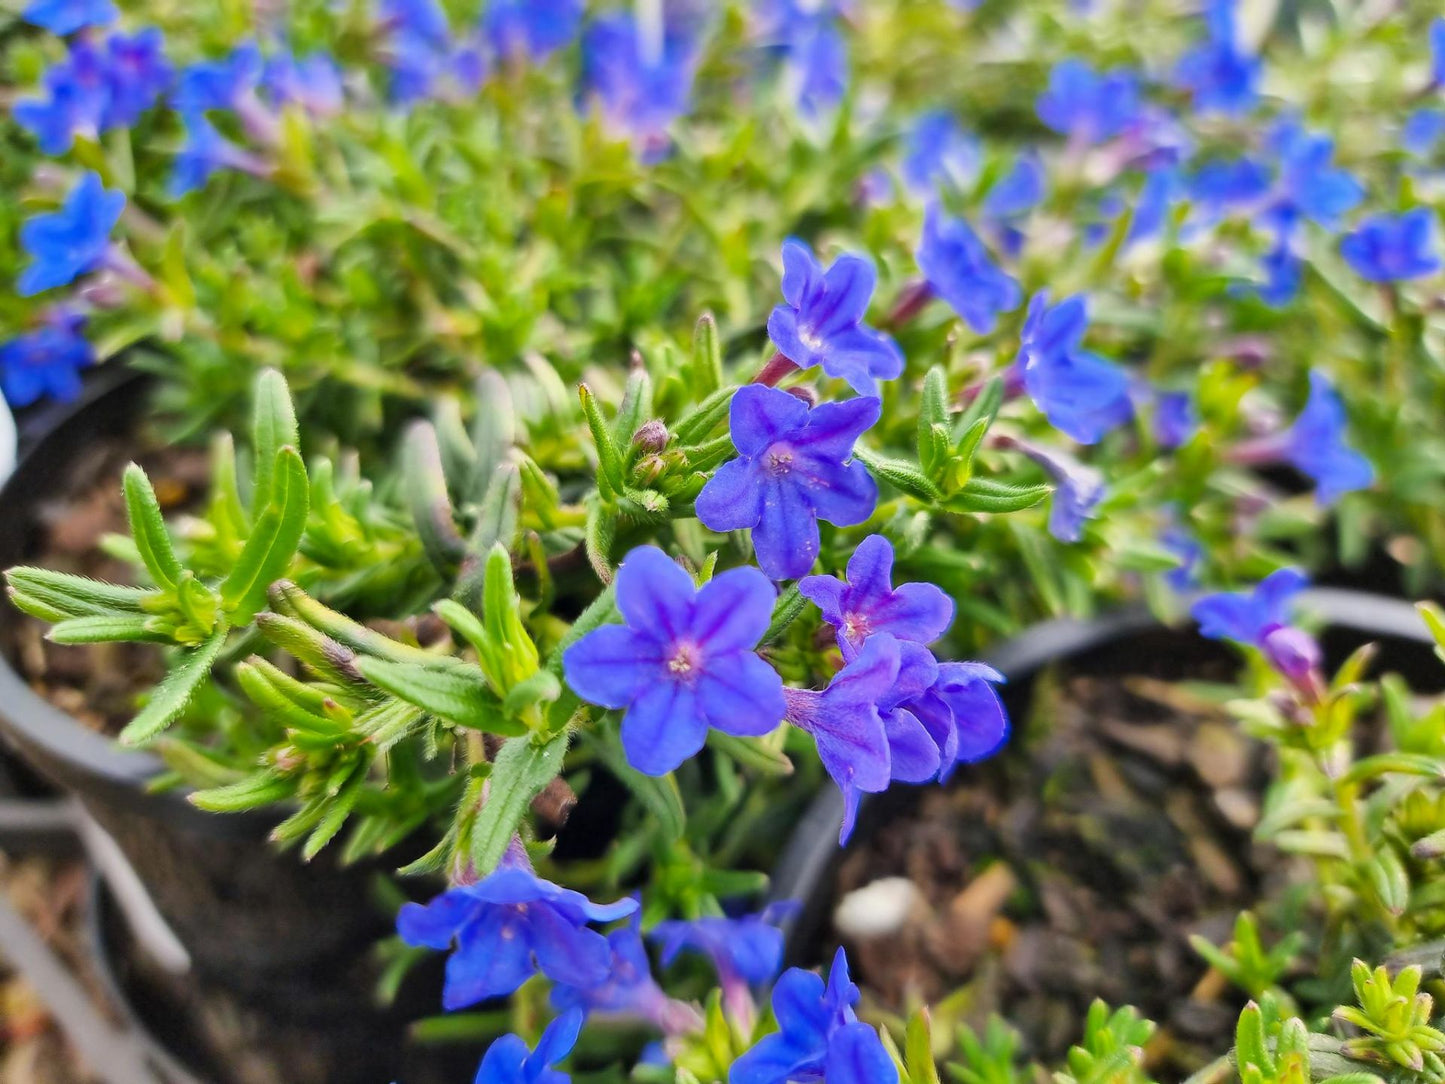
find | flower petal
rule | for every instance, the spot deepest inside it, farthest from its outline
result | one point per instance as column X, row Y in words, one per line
column 662, row 728
column 741, row 694
column 567, row 953
column 488, row 963
column 833, row 428
column 611, row 665
column 435, row 924
column 843, row 495
column 786, row 536
column 848, row 288
column 733, row 610
column 760, row 416
column 654, row 594
column 856, row 1056
column 732, row 499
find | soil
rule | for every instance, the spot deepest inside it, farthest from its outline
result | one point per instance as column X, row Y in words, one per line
column 1074, row 867
column 98, row 684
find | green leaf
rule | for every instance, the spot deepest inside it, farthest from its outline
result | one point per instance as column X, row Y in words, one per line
column 543, row 687
column 918, row 1049
column 755, row 753
column 1398, row 763
column 106, row 628
column 273, row 427
column 272, row 545
column 636, row 408
column 786, row 610
column 983, row 408
column 611, row 477
column 987, row 495
column 659, row 795
column 263, row 788
column 174, row 691
column 694, row 426
column 707, row 360
column 496, row 525
column 598, row 537
column 599, row 612
column 1389, row 880
column 255, row 678
column 459, row 696
column 331, row 821
column 148, row 528
column 427, row 498
column 519, row 773
column 74, row 596
column 904, row 476
column 322, row 655
column 494, row 429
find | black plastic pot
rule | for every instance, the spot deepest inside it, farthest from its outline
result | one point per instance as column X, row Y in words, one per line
column 278, row 934
column 1126, row 643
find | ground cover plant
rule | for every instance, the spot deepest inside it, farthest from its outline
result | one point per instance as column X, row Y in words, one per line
column 646, row 415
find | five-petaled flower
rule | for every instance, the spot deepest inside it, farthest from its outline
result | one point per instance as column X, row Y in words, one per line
column 821, row 321
column 1260, row 618
column 504, row 929
column 939, row 153
column 641, row 76
column 1086, row 105
column 959, row 270
column 1393, row 248
column 794, row 468
column 67, row 16
column 819, row 1037
column 46, row 361
column 531, row 28
column 867, row 602
column 1315, row 446
column 508, row 1061
column 1082, row 394
column 71, row 241
column 629, row 990
column 1221, row 74
column 684, row 660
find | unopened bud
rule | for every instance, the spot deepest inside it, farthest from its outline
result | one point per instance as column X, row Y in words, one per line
column 808, row 395
column 651, row 437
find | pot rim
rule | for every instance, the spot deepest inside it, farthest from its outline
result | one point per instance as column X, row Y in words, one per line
column 812, row 849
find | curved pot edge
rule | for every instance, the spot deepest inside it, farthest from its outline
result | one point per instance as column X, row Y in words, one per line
column 813, row 847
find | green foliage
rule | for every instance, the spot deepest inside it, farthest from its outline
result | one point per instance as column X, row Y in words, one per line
column 1395, row 1019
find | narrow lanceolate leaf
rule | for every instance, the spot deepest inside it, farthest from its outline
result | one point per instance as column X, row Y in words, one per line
column 918, row 1049
column 335, row 816
column 707, row 359
column 74, row 596
column 904, row 476
column 106, row 628
column 696, row 424
column 597, row 539
column 1397, row 763
column 458, row 696
column 636, row 407
column 319, row 653
column 170, row 697
column 263, row 788
column 428, row 500
column 286, row 598
column 984, row 406
column 255, row 681
column 268, row 552
column 610, row 474
column 496, row 523
column 273, row 427
column 494, row 429
column 148, row 528
column 519, row 773
column 790, row 604
column 755, row 753
column 986, row 495
column 933, row 417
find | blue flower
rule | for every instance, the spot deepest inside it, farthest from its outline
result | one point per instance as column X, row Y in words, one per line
column 1315, row 445
column 1082, row 394
column 1175, row 418
column 67, row 16
column 1308, row 185
column 684, row 660
column 913, row 754
column 1086, row 105
column 963, row 714
column 1190, row 553
column 1019, row 191
column 423, row 19
column 1078, row 490
column 794, row 467
column 138, row 74
column 419, row 44
column 1221, row 185
column 1222, row 76
column 532, row 28
column 1156, row 197
column 1392, row 248
column 46, row 361
column 959, row 270
column 313, row 82
column 506, row 928
column 1283, row 270
column 204, row 152
column 1422, row 131
column 1437, row 51
column 508, row 1061
column 867, row 602
column 629, row 989
column 1260, row 618
column 746, row 950
column 845, row 723
column 822, row 319
column 814, row 50
column 222, row 84
column 72, row 241
column 819, row 1037
column 77, row 102
column 939, row 152
column 642, row 85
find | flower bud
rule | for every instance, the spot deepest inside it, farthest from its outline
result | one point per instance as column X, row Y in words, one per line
column 651, row 437
column 1296, row 655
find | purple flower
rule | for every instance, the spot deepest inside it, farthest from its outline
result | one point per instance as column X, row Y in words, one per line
column 1308, row 185
column 1219, row 186
column 419, row 44
column 822, row 319
column 819, row 1037
column 1260, row 618
column 72, row 241
column 46, row 361
column 684, row 660
column 77, row 100
column 508, row 1061
column 745, row 951
column 815, row 53
column 914, row 756
column 1019, row 190
column 67, row 16
column 1086, row 105
column 1221, row 74
column 1082, row 394
column 1392, row 248
column 313, row 82
column 959, row 270
column 532, row 28
column 204, row 152
column 138, row 74
column 845, row 723
column 222, row 84
column 506, row 928
column 629, row 989
column 963, row 714
column 640, row 76
column 1315, row 445
column 794, row 467
column 867, row 602
column 1283, row 271
column 939, row 152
